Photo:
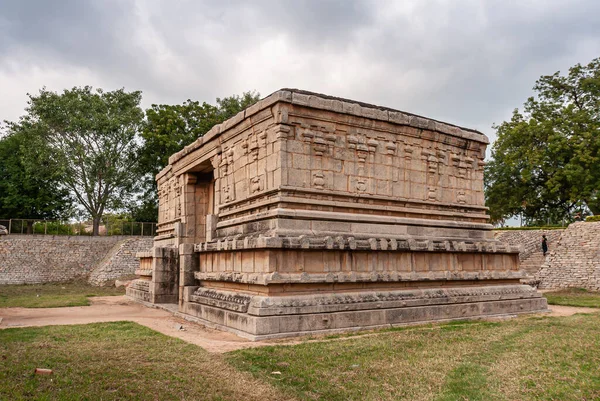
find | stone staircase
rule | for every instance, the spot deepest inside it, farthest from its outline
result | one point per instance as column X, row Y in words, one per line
column 533, row 263
column 530, row 246
column 575, row 261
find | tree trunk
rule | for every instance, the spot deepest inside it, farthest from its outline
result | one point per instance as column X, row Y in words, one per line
column 96, row 226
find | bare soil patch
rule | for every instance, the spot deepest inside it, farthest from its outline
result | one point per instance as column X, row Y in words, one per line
column 121, row 308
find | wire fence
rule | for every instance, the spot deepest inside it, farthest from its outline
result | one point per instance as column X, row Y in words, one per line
column 60, row 227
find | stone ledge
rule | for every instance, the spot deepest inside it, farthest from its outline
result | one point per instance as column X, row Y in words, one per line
column 225, row 300
column 141, row 285
column 138, row 295
column 353, row 217
column 352, row 201
column 354, row 277
column 351, row 243
column 284, row 325
column 144, row 272
column 349, row 301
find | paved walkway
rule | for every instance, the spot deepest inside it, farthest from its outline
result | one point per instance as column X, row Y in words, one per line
column 113, row 309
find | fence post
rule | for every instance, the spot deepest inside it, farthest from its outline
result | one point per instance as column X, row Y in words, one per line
column 9, row 226
column 45, row 227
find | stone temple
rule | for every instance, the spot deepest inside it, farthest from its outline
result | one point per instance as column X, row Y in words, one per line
column 307, row 213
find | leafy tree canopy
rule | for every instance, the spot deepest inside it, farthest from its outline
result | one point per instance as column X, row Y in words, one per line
column 92, row 137
column 30, row 178
column 546, row 161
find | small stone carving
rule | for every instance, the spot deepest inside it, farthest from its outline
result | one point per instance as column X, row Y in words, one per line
column 262, row 138
column 320, row 146
column 230, row 156
column 432, row 194
column 352, row 141
column 362, row 151
column 442, row 158
column 372, row 144
column 227, row 194
column 3, row 230
column 319, row 180
column 432, row 164
column 461, row 197
column 307, row 135
column 390, row 148
column 255, row 185
column 462, row 169
column 253, row 150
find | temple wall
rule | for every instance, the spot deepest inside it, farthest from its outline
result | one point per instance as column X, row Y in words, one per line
column 239, row 166
column 357, row 156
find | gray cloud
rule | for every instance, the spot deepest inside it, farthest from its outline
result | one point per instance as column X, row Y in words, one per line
column 467, row 62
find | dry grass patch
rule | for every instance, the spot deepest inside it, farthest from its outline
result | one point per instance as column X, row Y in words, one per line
column 53, row 295
column 530, row 358
column 574, row 297
column 117, row 361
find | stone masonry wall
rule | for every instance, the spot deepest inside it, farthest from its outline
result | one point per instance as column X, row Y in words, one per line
column 528, row 241
column 120, row 261
column 30, row 259
column 575, row 261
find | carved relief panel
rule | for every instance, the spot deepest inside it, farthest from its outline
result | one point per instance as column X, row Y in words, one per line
column 169, row 200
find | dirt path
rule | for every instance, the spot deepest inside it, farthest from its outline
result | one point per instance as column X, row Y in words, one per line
column 113, row 309
column 559, row 310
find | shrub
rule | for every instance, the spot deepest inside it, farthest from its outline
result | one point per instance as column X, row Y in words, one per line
column 592, row 218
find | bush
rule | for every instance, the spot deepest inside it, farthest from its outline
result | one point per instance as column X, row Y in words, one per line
column 592, row 218
column 53, row 227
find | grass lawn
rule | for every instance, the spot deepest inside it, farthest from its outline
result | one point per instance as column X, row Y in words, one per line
column 117, row 361
column 52, row 295
column 529, row 358
column 574, row 297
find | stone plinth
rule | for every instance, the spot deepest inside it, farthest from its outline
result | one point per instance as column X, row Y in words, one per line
column 308, row 213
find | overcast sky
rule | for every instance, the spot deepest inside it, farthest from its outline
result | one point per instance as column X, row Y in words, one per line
column 466, row 62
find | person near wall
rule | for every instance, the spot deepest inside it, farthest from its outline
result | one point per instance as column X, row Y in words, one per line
column 544, row 245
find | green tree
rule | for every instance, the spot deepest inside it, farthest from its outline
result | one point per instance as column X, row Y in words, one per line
column 93, row 136
column 168, row 128
column 545, row 162
column 30, row 178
